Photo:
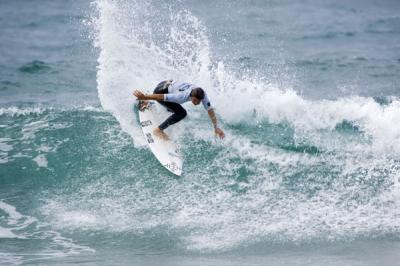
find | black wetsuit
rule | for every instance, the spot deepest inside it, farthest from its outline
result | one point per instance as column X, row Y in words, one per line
column 178, row 111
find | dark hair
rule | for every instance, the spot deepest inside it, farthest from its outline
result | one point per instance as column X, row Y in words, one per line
column 198, row 93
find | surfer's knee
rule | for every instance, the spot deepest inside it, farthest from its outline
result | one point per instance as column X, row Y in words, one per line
column 182, row 114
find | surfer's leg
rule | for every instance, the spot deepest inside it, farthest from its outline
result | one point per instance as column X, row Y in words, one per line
column 162, row 87
column 178, row 111
column 179, row 114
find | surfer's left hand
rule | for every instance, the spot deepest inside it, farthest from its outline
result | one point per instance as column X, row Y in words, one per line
column 139, row 95
column 220, row 133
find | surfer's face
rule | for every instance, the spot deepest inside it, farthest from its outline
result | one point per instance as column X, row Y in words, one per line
column 195, row 101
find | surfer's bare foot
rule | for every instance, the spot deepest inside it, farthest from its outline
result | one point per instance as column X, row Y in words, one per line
column 160, row 134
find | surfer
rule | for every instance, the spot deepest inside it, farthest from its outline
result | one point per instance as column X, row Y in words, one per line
column 171, row 94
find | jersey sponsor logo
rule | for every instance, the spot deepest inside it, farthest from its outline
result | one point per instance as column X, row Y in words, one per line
column 149, row 138
column 146, row 123
column 184, row 87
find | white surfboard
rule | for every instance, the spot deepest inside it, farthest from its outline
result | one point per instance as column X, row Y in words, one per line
column 165, row 151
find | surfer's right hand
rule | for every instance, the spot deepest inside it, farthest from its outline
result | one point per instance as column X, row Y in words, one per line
column 140, row 95
column 219, row 133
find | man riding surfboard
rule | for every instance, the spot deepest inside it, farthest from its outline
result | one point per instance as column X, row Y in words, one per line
column 171, row 94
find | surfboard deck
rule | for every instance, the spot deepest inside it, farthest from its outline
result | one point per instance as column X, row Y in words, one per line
column 166, row 151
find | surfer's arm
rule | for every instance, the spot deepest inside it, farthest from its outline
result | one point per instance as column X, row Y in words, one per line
column 141, row 96
column 214, row 121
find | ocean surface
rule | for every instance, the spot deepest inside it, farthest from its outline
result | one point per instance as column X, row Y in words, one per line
column 307, row 92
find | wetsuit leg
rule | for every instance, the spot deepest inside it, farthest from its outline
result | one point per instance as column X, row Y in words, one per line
column 178, row 115
column 162, row 87
column 178, row 111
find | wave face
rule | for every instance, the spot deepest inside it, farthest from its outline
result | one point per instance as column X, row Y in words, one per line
column 264, row 184
column 296, row 170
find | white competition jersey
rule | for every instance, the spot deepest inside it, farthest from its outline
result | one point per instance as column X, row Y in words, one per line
column 179, row 92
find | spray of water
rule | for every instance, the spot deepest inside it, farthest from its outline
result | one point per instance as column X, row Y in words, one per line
column 332, row 174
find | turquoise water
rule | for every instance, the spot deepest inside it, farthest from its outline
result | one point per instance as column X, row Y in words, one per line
column 306, row 92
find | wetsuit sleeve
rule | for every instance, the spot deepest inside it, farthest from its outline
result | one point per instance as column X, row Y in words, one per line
column 206, row 103
column 173, row 97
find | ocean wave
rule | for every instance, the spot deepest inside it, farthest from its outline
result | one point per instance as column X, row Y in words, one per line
column 34, row 67
column 14, row 225
column 266, row 183
column 40, row 109
column 384, row 25
column 328, row 35
column 291, row 169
